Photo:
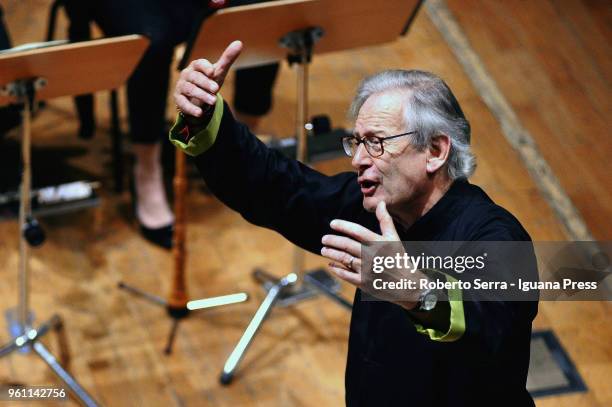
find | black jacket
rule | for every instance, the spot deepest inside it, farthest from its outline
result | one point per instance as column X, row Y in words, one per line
column 389, row 363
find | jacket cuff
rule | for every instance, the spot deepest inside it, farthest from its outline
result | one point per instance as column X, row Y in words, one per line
column 200, row 142
column 457, row 318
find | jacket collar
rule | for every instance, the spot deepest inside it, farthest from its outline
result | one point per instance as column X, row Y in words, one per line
column 437, row 219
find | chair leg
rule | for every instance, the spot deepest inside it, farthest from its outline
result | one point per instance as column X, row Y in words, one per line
column 85, row 111
column 117, row 143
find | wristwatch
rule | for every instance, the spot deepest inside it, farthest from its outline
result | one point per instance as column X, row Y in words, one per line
column 427, row 300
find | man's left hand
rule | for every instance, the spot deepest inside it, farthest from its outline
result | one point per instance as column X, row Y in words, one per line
column 345, row 251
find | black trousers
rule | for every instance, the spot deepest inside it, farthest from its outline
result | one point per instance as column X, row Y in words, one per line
column 166, row 24
column 5, row 40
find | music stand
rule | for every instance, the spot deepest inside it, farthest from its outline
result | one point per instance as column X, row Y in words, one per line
column 41, row 72
column 290, row 29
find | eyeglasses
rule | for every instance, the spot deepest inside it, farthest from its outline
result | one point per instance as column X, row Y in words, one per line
column 373, row 144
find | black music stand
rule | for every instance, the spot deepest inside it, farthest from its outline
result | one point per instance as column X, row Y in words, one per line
column 293, row 30
column 41, row 72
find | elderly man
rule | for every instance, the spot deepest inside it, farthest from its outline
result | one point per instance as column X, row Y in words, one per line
column 411, row 151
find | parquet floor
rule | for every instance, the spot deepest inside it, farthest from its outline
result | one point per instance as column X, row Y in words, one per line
column 551, row 60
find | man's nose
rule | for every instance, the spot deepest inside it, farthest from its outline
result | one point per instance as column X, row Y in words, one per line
column 361, row 158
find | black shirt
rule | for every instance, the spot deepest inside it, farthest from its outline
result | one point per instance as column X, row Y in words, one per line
column 389, row 363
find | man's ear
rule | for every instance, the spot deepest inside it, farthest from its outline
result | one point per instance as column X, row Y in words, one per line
column 437, row 152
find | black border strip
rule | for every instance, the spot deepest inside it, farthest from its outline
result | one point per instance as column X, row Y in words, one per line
column 576, row 384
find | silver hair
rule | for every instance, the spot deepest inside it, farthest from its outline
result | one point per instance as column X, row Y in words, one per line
column 431, row 109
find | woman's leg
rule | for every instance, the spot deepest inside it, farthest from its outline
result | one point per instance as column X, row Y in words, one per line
column 152, row 208
column 147, row 92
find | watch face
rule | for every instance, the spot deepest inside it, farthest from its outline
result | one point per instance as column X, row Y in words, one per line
column 429, row 302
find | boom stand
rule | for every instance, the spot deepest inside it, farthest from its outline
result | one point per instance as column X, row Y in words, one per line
column 286, row 291
column 24, row 91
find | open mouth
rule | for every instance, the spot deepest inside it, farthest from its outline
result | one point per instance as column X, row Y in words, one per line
column 368, row 187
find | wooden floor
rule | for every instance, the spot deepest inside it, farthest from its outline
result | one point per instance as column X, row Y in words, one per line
column 552, row 61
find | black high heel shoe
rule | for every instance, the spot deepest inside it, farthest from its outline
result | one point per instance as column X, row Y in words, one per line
column 162, row 236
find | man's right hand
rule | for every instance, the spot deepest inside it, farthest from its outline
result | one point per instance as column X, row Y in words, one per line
column 198, row 84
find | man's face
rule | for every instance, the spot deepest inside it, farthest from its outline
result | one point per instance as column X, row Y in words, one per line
column 399, row 176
